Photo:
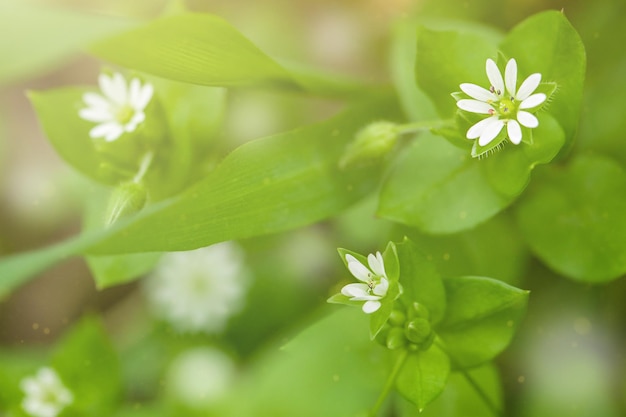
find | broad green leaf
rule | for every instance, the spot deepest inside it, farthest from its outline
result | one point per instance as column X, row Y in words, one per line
column 36, row 37
column 548, row 44
column 423, row 376
column 439, row 188
column 421, row 281
column 574, row 219
column 459, row 397
column 88, row 365
column 473, row 252
column 334, row 359
column 445, row 59
column 265, row 186
column 481, row 319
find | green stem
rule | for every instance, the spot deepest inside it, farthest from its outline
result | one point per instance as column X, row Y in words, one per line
column 143, row 168
column 421, row 126
column 481, row 393
column 389, row 384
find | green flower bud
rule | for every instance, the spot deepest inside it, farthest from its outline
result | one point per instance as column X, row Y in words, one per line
column 395, row 338
column 418, row 330
column 397, row 318
column 418, row 310
column 128, row 198
column 371, row 144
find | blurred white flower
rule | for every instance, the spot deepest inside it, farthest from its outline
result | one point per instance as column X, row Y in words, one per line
column 119, row 109
column 200, row 376
column 46, row 396
column 503, row 102
column 199, row 290
column 374, row 284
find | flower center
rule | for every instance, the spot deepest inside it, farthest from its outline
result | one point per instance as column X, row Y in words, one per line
column 124, row 114
column 507, row 108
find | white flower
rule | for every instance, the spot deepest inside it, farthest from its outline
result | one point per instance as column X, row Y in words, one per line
column 46, row 396
column 503, row 102
column 375, row 283
column 120, row 109
column 200, row 376
column 198, row 291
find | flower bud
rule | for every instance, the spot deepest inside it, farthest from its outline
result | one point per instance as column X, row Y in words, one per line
column 128, row 198
column 396, row 338
column 371, row 144
column 418, row 310
column 418, row 330
column 397, row 318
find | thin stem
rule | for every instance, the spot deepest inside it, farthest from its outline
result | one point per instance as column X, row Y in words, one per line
column 389, row 384
column 481, row 393
column 143, row 168
column 421, row 126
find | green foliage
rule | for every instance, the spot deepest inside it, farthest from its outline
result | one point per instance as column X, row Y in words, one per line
column 573, row 220
column 423, row 376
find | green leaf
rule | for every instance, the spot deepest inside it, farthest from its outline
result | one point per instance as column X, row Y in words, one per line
column 548, row 44
column 41, row 44
column 459, row 398
column 423, row 376
column 481, row 319
column 445, row 59
column 421, row 281
column 574, row 219
column 88, row 365
column 265, row 186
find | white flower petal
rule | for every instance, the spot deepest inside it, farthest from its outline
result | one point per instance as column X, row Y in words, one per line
column 375, row 265
column 144, row 97
column 495, row 78
column 475, row 106
column 96, row 115
column 478, row 93
column 510, row 76
column 381, row 288
column 134, row 90
column 477, row 129
column 533, row 101
column 528, row 86
column 96, row 101
column 527, row 119
column 490, row 132
column 379, row 256
column 357, row 269
column 132, row 124
column 355, row 290
column 106, row 130
column 371, row 306
column 514, row 131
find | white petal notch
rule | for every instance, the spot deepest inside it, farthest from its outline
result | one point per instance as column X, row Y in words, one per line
column 504, row 103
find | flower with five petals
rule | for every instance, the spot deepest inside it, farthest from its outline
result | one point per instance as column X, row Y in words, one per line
column 374, row 282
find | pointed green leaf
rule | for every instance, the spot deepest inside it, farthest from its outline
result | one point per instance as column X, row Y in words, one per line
column 481, row 319
column 574, row 219
column 423, row 376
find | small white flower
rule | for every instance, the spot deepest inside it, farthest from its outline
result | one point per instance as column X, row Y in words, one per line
column 119, row 109
column 200, row 376
column 46, row 396
column 374, row 284
column 199, row 290
column 505, row 104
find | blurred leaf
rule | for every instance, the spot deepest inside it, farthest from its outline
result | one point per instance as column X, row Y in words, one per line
column 481, row 319
column 459, row 397
column 472, row 252
column 547, row 43
column 265, row 186
column 421, row 281
column 574, row 219
column 423, row 376
column 445, row 59
column 334, row 359
column 89, row 367
column 36, row 37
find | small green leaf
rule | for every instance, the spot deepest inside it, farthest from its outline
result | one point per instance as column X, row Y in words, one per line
column 88, row 365
column 421, row 281
column 548, row 44
column 423, row 376
column 481, row 319
column 574, row 219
